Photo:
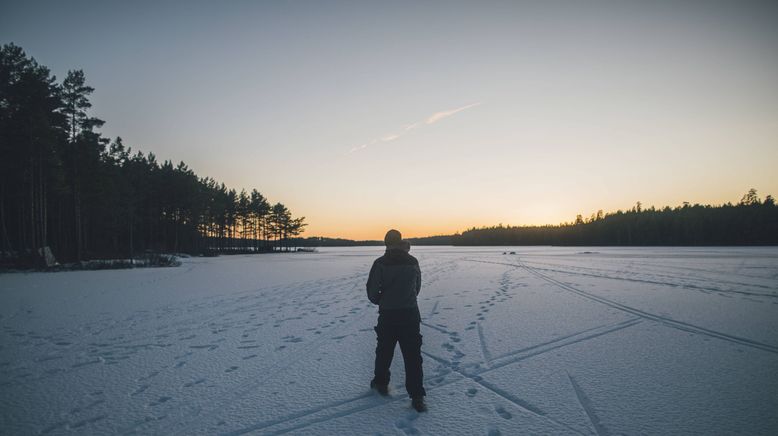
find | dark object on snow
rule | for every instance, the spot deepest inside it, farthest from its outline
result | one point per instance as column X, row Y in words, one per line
column 513, row 252
column 381, row 389
column 39, row 259
column 47, row 257
column 393, row 284
column 146, row 261
column 419, row 404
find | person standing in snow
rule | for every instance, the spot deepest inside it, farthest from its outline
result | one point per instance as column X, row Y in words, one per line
column 393, row 284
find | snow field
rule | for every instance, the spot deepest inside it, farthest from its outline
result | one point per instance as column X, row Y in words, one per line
column 548, row 341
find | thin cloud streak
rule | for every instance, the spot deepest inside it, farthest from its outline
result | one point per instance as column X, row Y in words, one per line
column 432, row 119
column 363, row 146
column 410, row 127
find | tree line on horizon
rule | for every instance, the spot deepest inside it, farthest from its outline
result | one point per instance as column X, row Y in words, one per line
column 64, row 186
column 751, row 221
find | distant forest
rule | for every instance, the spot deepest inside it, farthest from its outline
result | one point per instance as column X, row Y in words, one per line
column 64, row 186
column 752, row 221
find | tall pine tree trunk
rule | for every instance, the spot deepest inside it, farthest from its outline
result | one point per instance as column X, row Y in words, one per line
column 34, row 229
column 6, row 243
column 77, row 222
column 131, row 245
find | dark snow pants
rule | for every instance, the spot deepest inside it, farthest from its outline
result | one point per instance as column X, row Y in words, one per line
column 407, row 334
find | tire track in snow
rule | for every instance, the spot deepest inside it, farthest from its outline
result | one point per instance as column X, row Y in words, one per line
column 680, row 325
column 661, row 270
column 304, row 413
column 586, row 404
column 313, row 412
column 728, row 273
column 655, row 282
column 434, row 308
column 355, row 409
column 352, row 405
column 474, row 376
column 564, row 341
column 484, row 350
column 521, row 404
column 434, row 327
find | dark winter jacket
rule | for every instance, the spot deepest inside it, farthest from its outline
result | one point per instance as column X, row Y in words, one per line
column 394, row 281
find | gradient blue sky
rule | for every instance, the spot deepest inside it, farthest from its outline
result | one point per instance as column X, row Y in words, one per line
column 432, row 117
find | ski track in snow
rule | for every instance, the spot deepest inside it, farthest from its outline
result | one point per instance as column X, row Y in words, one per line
column 668, row 321
column 586, row 405
column 678, row 283
column 201, row 364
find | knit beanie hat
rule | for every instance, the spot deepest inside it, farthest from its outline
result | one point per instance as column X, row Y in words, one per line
column 393, row 239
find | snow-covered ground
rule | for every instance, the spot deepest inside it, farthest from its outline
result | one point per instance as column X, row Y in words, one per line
column 546, row 341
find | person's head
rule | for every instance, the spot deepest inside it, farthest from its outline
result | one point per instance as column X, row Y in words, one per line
column 406, row 245
column 394, row 239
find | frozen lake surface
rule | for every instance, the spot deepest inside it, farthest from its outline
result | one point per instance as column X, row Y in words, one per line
column 592, row 341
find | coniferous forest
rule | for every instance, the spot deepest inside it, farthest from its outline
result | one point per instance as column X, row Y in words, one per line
column 752, row 221
column 66, row 187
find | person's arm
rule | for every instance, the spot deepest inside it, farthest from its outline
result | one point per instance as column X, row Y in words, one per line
column 418, row 279
column 374, row 284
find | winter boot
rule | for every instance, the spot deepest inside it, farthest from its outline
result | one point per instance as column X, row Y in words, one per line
column 381, row 389
column 418, row 404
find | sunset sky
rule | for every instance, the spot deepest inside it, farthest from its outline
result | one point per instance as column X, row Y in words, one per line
column 432, row 117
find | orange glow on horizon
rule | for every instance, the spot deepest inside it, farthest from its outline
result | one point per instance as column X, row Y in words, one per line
column 374, row 228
